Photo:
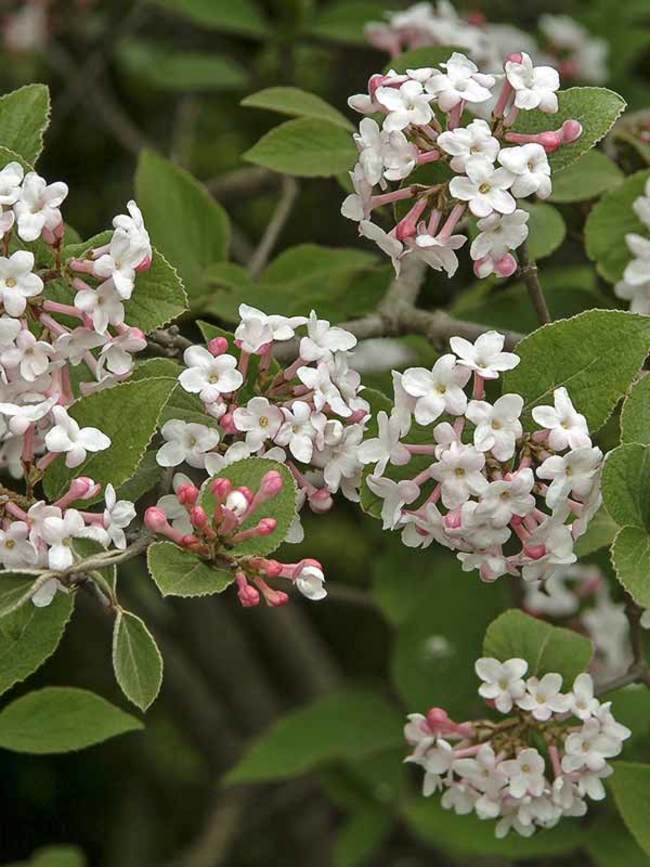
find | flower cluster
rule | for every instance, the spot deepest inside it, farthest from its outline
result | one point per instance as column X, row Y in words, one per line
column 514, row 501
column 566, row 44
column 231, row 521
column 309, row 414
column 635, row 285
column 51, row 351
column 499, row 770
column 493, row 166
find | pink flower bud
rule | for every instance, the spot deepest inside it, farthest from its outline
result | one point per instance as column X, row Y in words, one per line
column 155, row 520
column 437, row 719
column 248, row 596
column 570, row 131
column 320, row 501
column 221, row 488
column 217, row 346
column 82, row 488
column 198, row 517
column 187, row 494
column 452, row 520
column 227, row 422
column 266, row 526
column 535, row 552
column 189, row 541
column 272, row 568
column 515, row 57
column 506, row 266
column 272, row 483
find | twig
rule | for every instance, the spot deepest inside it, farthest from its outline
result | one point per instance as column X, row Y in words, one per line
column 212, row 846
column 528, row 271
column 242, row 183
column 274, row 228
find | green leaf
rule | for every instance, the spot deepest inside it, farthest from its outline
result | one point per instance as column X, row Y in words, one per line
column 241, row 17
column 597, row 109
column 596, row 355
column 185, row 223
column 229, row 285
column 589, row 177
column 305, row 148
column 612, row 218
column 309, row 261
column 426, row 55
column 61, row 719
column 137, row 662
column 546, row 229
column 146, row 477
column 54, row 856
column 635, row 416
column 610, row 845
column 468, row 835
column 249, row 473
column 158, row 297
column 630, row 783
column 168, row 69
column 361, row 836
column 630, row 555
column 9, row 156
column 127, row 413
column 343, row 725
column 16, row 588
column 296, row 103
column 344, row 21
column 155, row 368
column 440, row 631
column 186, row 407
column 180, row 573
column 626, row 485
column 600, row 533
column 29, row 636
column 545, row 648
column 24, row 117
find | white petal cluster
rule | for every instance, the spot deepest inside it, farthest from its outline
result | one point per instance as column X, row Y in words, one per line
column 635, row 285
column 460, row 470
column 494, row 168
column 500, row 770
column 563, row 42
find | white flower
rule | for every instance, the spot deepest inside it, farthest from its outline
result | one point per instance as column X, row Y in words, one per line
column 461, row 82
column 485, row 355
column 638, row 296
column 333, row 384
column 478, row 531
column 116, row 353
column 386, row 242
column 498, row 234
column 460, row 472
column 118, row 514
column 437, row 390
column 119, row 264
column 484, row 188
column 10, row 328
column 507, row 497
column 497, row 427
column 568, row 428
column 73, row 345
column 525, row 774
column 29, row 355
column 17, row 283
column 384, row 153
column 46, row 593
column 16, row 550
column 310, row 582
column 209, row 376
column 185, row 442
column 405, row 105
column 438, row 252
column 299, row 429
column 535, row 86
column 340, row 460
column 385, row 447
column 11, row 177
column 103, row 305
column 543, row 697
column 573, row 472
column 395, row 495
column 424, row 527
column 641, row 205
column 132, row 226
column 475, row 139
column 38, row 206
column 583, row 703
column 174, row 510
column 22, row 416
column 531, row 168
column 358, row 205
column 502, row 681
column 484, row 772
column 68, row 438
column 323, row 340
column 59, row 533
column 589, row 748
column 556, row 539
column 636, row 271
column 256, row 329
column 260, row 420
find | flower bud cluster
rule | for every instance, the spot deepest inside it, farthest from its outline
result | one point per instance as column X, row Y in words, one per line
column 493, row 166
column 565, row 44
column 214, row 536
column 308, row 414
column 500, row 770
column 513, row 502
column 635, row 285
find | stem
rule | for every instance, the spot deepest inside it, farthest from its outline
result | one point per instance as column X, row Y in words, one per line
column 274, row 228
column 529, row 273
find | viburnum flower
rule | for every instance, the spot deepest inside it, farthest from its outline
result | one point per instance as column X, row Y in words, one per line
column 384, row 240
column 583, row 702
column 310, row 580
column 299, row 429
column 484, row 187
column 485, row 355
column 534, row 86
column 186, row 442
column 408, row 104
column 103, row 305
column 120, row 263
column 570, row 473
column 385, row 447
column 636, row 272
column 461, row 82
column 260, row 420
column 384, row 154
column 29, row 355
column 68, row 438
column 543, row 697
column 38, row 206
column 497, row 427
column 60, row 531
column 16, row 550
column 11, row 178
column 118, row 514
column 460, row 473
column 525, row 774
column 209, row 376
column 502, row 682
column 256, row 329
column 475, row 139
column 499, row 233
column 17, row 282
column 529, row 164
column 437, row 390
column 567, row 427
column 394, row 495
column 323, row 340
column 504, row 498
column 438, row 251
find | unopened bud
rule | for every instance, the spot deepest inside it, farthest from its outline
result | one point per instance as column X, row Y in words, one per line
column 514, row 57
column 227, row 422
column 198, row 517
column 248, row 596
column 506, row 266
column 237, row 502
column 272, row 568
column 570, row 131
column 155, row 519
column 272, row 483
column 266, row 526
column 221, row 488
column 437, row 717
column 321, row 501
column 187, row 494
column 217, row 346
